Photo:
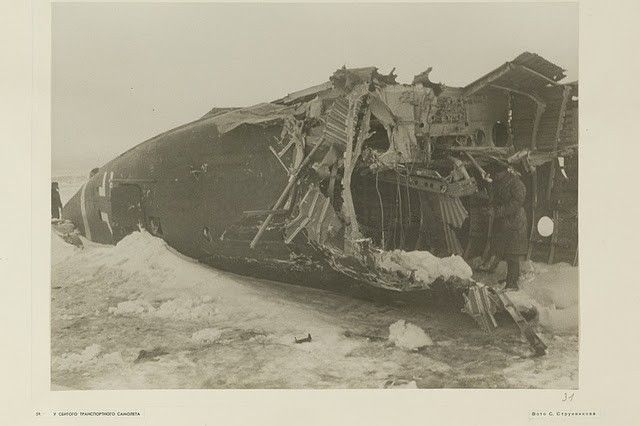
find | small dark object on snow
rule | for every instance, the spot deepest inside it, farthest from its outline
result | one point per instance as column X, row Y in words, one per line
column 151, row 355
column 306, row 339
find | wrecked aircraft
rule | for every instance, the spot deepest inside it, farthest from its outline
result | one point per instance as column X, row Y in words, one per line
column 315, row 187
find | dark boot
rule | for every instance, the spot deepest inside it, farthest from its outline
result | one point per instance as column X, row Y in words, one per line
column 513, row 272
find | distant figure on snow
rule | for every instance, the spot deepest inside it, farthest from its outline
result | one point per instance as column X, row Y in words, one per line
column 56, row 202
column 510, row 241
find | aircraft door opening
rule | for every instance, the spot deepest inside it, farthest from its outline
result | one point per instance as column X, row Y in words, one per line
column 126, row 210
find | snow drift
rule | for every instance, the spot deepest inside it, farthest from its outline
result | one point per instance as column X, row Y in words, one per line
column 221, row 330
column 60, row 249
column 553, row 291
column 408, row 336
column 423, row 265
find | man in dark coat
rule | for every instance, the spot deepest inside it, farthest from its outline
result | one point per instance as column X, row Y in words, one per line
column 510, row 240
column 56, row 202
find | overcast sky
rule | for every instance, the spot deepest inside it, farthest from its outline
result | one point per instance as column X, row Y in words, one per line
column 122, row 73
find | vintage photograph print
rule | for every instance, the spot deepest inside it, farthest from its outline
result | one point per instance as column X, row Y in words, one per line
column 312, row 196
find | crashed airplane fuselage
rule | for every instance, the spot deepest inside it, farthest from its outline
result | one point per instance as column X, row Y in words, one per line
column 318, row 187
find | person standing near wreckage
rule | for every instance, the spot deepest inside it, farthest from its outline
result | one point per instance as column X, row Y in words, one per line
column 56, row 202
column 506, row 209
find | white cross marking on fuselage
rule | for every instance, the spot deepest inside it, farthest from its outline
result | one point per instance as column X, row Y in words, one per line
column 102, row 192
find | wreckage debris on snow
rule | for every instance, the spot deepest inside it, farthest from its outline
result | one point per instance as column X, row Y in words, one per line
column 423, row 266
column 359, row 183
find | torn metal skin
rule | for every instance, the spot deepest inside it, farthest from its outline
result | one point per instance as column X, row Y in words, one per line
column 307, row 188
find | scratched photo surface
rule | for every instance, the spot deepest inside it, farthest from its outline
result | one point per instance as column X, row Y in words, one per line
column 314, row 196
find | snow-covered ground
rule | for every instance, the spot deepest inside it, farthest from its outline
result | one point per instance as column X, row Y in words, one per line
column 140, row 315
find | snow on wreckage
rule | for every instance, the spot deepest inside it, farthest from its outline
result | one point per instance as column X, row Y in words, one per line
column 359, row 184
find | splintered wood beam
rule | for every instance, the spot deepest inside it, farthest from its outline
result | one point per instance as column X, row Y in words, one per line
column 286, row 148
column 539, row 347
column 273, row 151
column 332, row 181
column 475, row 164
column 292, row 181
